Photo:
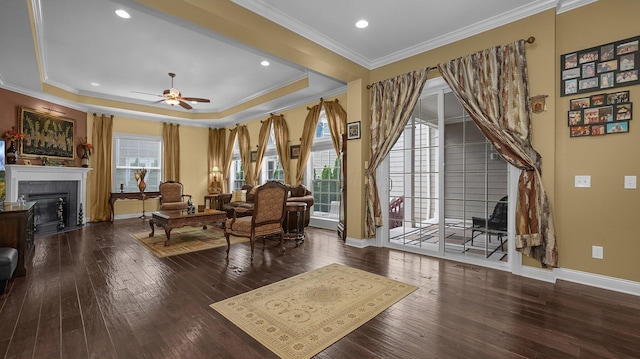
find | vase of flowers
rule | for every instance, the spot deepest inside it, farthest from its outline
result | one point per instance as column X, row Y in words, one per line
column 12, row 151
column 139, row 176
column 86, row 152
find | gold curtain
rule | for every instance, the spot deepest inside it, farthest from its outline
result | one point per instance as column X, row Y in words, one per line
column 171, row 152
column 226, row 167
column 281, row 133
column 244, row 143
column 263, row 141
column 492, row 85
column 217, row 156
column 100, row 177
column 392, row 101
column 306, row 141
column 337, row 119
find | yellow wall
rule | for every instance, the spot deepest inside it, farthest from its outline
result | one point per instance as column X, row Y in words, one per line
column 193, row 160
column 606, row 214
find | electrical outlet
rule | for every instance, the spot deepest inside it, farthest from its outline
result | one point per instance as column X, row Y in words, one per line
column 630, row 182
column 583, row 181
column 597, row 252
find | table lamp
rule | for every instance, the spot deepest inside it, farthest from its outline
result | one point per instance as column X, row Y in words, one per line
column 215, row 187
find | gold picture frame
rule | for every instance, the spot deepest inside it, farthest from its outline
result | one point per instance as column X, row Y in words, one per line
column 46, row 135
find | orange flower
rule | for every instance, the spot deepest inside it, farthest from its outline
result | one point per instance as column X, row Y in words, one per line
column 12, row 135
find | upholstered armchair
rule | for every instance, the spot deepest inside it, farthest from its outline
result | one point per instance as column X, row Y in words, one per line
column 266, row 218
column 172, row 196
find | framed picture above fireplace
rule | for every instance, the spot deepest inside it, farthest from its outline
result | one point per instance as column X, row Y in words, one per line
column 46, row 135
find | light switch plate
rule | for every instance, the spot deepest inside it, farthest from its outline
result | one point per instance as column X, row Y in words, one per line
column 583, row 181
column 630, row 182
column 597, row 252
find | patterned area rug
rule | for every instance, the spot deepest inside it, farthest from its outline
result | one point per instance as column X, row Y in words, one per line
column 184, row 240
column 300, row 316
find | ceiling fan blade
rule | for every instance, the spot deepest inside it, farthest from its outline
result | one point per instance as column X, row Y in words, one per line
column 158, row 101
column 146, row 93
column 185, row 105
column 195, row 99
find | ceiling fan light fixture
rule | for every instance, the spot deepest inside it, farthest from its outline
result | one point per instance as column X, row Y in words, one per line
column 172, row 101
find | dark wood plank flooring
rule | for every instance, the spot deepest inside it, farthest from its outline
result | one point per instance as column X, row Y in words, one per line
column 97, row 293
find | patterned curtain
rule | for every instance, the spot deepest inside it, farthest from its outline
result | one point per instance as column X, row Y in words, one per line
column 226, row 167
column 492, row 85
column 171, row 151
column 337, row 119
column 392, row 101
column 306, row 140
column 216, row 153
column 281, row 132
column 244, row 143
column 100, row 177
column 263, row 141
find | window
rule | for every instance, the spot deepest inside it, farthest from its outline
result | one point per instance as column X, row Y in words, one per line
column 131, row 153
column 273, row 169
column 237, row 172
column 324, row 170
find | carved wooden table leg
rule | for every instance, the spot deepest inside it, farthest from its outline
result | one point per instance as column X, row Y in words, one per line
column 153, row 229
column 167, row 231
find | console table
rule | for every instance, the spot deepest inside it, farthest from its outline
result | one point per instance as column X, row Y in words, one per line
column 16, row 222
column 129, row 195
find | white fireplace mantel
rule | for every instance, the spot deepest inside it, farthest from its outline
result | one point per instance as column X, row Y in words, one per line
column 17, row 173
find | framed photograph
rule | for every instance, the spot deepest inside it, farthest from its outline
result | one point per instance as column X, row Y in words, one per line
column 617, row 97
column 579, row 103
column 253, row 156
column 623, row 112
column 353, row 130
column 46, row 135
column 580, row 131
column 591, row 116
column 618, row 127
column 598, row 130
column 294, row 151
column 598, row 100
column 575, row 118
column 601, row 67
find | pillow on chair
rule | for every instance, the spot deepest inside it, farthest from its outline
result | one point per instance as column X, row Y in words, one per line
column 239, row 195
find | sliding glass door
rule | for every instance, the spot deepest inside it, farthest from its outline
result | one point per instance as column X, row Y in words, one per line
column 446, row 186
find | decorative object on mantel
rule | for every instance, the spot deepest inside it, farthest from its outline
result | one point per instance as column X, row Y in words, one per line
column 139, row 176
column 86, row 151
column 538, row 103
column 12, row 151
column 602, row 67
column 600, row 114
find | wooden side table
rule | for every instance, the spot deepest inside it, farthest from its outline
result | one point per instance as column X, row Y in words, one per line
column 215, row 201
column 295, row 209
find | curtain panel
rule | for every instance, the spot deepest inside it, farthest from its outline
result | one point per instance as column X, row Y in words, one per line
column 226, row 167
column 100, row 177
column 492, row 86
column 171, row 151
column 216, row 156
column 244, row 144
column 392, row 102
column 337, row 119
column 263, row 142
column 306, row 141
column 281, row 133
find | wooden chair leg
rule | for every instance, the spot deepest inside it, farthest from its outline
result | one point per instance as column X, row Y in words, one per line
column 228, row 243
column 252, row 240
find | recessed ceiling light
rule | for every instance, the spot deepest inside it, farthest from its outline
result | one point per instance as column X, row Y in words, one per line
column 123, row 14
column 265, row 63
column 95, row 84
column 361, row 24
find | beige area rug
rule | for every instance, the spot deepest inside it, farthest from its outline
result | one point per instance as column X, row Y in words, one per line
column 184, row 240
column 300, row 316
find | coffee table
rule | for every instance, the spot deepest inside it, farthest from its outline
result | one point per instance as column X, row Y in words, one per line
column 176, row 219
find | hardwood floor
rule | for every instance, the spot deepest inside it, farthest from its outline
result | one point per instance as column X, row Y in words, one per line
column 97, row 293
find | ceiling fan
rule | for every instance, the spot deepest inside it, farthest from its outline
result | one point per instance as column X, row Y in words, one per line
column 173, row 96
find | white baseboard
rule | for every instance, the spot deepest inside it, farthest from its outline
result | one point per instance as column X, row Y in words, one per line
column 598, row 281
column 360, row 243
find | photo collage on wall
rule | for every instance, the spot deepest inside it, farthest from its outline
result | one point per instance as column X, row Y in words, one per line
column 603, row 67
column 600, row 114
